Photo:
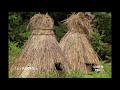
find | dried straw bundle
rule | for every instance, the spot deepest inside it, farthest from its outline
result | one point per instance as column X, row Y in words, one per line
column 80, row 22
column 75, row 44
column 40, row 52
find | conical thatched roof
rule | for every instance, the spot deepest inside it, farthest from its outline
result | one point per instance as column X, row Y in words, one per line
column 75, row 44
column 41, row 52
column 79, row 22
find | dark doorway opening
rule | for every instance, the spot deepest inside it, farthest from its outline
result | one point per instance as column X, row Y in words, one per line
column 60, row 69
column 58, row 66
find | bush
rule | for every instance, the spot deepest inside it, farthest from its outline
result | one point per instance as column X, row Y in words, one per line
column 103, row 49
column 102, row 23
column 13, row 51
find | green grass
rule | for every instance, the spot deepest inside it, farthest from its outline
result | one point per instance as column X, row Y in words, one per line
column 14, row 51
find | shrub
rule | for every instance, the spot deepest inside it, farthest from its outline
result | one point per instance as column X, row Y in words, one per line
column 13, row 51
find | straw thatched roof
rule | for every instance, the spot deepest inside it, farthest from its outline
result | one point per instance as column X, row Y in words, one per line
column 41, row 52
column 80, row 22
column 75, row 44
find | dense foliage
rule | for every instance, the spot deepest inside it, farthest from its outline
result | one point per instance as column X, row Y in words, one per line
column 102, row 35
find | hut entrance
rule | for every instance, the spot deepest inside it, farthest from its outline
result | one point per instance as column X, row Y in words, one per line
column 89, row 68
column 58, row 66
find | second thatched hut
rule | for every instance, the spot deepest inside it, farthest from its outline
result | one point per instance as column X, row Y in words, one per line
column 76, row 45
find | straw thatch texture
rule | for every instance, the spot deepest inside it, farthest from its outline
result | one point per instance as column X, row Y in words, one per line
column 80, row 22
column 75, row 44
column 40, row 52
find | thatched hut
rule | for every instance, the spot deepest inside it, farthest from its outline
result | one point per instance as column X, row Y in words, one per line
column 75, row 43
column 41, row 54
